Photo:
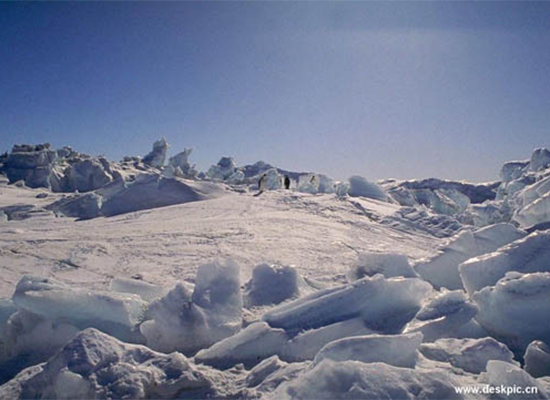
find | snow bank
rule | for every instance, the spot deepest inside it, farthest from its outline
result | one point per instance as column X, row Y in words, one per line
column 185, row 322
column 360, row 187
column 449, row 314
column 397, row 350
column 442, row 270
column 471, row 355
column 384, row 304
column 357, row 380
column 508, row 376
column 537, row 359
column 388, row 264
column 516, row 310
column 530, row 254
column 95, row 365
column 271, row 284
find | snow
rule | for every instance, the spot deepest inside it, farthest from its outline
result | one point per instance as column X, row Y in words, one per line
column 397, row 350
column 189, row 322
column 357, row 380
column 529, row 254
column 388, row 264
column 442, row 270
column 471, row 355
column 502, row 374
column 272, row 284
column 537, row 359
column 516, row 309
column 360, row 187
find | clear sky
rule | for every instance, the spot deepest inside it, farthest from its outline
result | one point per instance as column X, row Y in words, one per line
column 380, row 89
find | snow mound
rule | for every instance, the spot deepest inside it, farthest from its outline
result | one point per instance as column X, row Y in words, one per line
column 188, row 322
column 530, row 254
column 388, row 264
column 449, row 314
column 272, row 284
column 509, row 377
column 384, row 304
column 357, row 380
column 360, row 187
column 471, row 355
column 397, row 350
column 95, row 365
column 537, row 359
column 516, row 310
column 442, row 270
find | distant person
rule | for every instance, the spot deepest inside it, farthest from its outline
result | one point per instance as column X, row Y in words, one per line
column 261, row 183
column 287, row 182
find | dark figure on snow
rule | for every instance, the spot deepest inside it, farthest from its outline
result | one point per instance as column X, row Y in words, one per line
column 261, row 183
column 287, row 182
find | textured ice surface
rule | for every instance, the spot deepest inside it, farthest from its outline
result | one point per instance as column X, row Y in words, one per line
column 388, row 264
column 471, row 355
column 516, row 310
column 503, row 374
column 537, row 359
column 357, row 380
column 147, row 291
column 397, row 350
column 272, row 284
column 534, row 213
column 360, row 187
column 442, row 269
column 530, row 254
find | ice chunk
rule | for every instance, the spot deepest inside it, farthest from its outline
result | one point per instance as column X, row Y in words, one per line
column 443, row 316
column 253, row 344
column 357, row 380
column 85, row 206
column 388, row 264
column 342, row 189
column 308, row 183
column 271, row 284
column 384, row 304
column 53, row 300
column 360, row 187
column 273, row 180
column 530, row 254
column 442, row 270
column 181, row 161
column 223, row 170
column 510, row 378
column 157, row 156
column 534, row 213
column 471, row 355
column 185, row 322
column 147, row 291
column 513, row 170
column 537, row 359
column 261, row 371
column 326, row 184
column 539, row 159
column 7, row 308
column 95, row 365
column 86, row 175
column 235, row 178
column 397, row 350
column 516, row 309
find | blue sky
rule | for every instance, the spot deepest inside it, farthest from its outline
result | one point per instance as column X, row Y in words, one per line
column 380, row 89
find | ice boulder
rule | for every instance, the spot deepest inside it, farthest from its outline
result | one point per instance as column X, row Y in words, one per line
column 223, row 170
column 539, row 159
column 449, row 314
column 326, row 184
column 537, row 359
column 253, row 344
column 356, row 380
column 146, row 291
column 273, row 180
column 157, row 156
column 512, row 381
column 86, row 175
column 471, row 355
column 385, row 305
column 397, row 350
column 308, row 183
column 7, row 308
column 341, row 189
column 360, row 187
column 181, row 161
column 529, row 254
column 516, row 309
column 95, row 365
column 388, row 264
column 54, row 300
column 442, row 270
column 272, row 284
column 31, row 164
column 513, row 170
column 84, row 206
column 188, row 322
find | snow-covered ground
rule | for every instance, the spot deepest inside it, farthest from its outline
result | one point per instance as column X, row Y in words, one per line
column 162, row 282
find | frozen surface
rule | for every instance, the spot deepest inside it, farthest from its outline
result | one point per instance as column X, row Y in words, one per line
column 360, row 187
column 397, row 350
column 500, row 373
column 471, row 355
column 530, row 254
column 272, row 284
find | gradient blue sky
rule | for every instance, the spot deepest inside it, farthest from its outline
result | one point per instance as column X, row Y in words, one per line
column 380, row 89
